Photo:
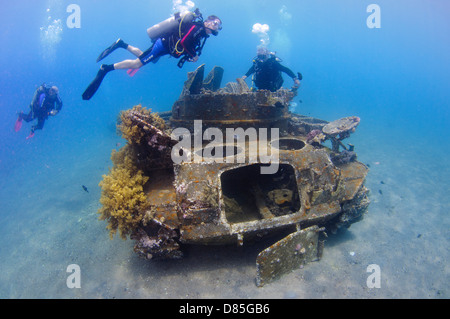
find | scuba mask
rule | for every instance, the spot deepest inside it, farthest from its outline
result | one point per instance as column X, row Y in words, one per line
column 262, row 57
column 217, row 23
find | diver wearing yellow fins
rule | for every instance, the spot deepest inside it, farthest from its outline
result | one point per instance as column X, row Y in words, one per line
column 182, row 36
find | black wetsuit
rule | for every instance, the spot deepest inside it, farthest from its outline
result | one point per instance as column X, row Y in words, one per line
column 268, row 73
column 41, row 106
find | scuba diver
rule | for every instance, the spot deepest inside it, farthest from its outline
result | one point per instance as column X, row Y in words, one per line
column 267, row 71
column 46, row 101
column 182, row 36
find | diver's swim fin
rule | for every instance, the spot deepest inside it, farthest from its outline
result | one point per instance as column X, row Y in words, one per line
column 95, row 84
column 18, row 124
column 118, row 44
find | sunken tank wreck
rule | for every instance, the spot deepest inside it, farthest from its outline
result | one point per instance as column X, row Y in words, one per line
column 230, row 165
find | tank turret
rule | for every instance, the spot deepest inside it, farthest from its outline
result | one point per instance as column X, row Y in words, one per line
column 230, row 165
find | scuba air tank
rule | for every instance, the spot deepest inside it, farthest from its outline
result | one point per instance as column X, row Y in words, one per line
column 170, row 25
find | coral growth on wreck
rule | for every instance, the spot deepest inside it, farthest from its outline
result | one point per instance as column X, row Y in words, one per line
column 123, row 199
column 123, row 195
column 130, row 130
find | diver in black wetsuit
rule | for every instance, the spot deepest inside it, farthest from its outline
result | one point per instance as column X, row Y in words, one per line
column 268, row 71
column 46, row 101
column 186, row 43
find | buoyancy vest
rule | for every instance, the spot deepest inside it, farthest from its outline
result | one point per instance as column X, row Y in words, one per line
column 267, row 74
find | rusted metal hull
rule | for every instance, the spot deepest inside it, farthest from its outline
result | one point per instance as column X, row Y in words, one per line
column 292, row 252
column 224, row 199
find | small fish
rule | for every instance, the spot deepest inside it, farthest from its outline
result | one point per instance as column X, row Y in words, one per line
column 379, row 191
column 381, row 182
column 85, row 188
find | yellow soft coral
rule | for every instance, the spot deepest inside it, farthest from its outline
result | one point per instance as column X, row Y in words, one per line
column 131, row 132
column 123, row 199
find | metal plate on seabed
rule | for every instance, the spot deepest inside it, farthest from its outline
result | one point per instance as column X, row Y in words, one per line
column 292, row 252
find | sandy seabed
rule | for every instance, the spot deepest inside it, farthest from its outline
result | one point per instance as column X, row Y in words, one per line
column 405, row 232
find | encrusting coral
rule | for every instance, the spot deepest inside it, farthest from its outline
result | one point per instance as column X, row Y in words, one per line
column 132, row 132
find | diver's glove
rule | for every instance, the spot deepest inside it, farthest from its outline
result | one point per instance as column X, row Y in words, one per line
column 193, row 59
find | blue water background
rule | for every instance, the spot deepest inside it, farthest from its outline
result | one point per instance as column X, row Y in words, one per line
column 394, row 78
